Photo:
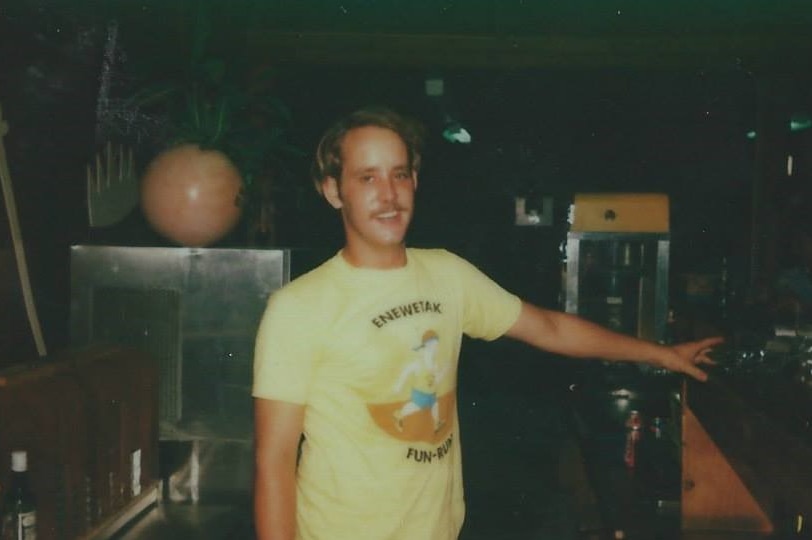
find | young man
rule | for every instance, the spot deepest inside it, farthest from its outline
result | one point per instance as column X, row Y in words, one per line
column 359, row 356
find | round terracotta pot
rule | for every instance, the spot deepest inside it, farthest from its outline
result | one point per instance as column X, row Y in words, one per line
column 191, row 196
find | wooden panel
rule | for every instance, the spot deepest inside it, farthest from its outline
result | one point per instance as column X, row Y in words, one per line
column 122, row 388
column 41, row 413
column 81, row 416
column 734, row 451
column 713, row 496
column 620, row 212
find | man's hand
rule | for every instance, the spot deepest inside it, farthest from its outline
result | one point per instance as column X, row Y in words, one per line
column 685, row 357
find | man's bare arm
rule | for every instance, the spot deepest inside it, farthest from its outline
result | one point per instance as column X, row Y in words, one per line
column 278, row 429
column 569, row 335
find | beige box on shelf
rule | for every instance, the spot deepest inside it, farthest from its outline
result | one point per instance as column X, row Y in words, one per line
column 620, row 212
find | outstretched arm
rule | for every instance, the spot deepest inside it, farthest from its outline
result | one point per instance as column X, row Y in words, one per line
column 569, row 335
column 278, row 429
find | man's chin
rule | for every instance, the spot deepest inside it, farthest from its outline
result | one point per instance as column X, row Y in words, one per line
column 391, row 230
column 391, row 241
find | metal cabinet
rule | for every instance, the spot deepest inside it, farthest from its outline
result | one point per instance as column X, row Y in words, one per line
column 617, row 261
column 196, row 311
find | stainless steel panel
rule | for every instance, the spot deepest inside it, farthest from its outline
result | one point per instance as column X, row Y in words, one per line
column 195, row 310
column 149, row 320
column 661, row 296
column 647, row 269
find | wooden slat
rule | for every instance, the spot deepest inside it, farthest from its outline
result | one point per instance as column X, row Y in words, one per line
column 548, row 51
column 17, row 244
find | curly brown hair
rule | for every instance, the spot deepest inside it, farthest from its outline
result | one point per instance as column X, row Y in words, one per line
column 328, row 162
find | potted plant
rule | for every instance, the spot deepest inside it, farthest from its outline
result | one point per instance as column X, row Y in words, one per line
column 221, row 137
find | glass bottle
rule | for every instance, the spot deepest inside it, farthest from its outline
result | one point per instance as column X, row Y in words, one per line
column 19, row 517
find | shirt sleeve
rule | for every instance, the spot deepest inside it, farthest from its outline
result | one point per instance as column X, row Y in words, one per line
column 284, row 352
column 488, row 309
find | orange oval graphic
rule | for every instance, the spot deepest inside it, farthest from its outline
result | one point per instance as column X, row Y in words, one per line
column 424, row 424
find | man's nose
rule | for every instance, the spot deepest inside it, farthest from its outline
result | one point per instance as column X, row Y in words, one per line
column 388, row 190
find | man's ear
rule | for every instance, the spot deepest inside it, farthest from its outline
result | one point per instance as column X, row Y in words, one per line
column 414, row 179
column 329, row 189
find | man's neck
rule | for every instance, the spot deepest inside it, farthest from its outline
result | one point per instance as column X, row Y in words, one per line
column 380, row 260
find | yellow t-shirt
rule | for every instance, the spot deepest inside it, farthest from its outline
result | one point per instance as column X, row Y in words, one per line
column 373, row 356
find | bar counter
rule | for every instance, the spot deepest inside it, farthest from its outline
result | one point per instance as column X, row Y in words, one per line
column 659, row 456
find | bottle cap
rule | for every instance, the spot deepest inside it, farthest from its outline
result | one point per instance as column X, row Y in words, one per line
column 19, row 461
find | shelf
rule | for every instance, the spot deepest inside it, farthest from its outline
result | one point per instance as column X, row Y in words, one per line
column 109, row 527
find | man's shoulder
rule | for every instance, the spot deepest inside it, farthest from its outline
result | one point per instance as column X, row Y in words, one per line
column 312, row 284
column 434, row 256
column 444, row 262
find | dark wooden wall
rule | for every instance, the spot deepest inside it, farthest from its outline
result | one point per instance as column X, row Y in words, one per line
column 558, row 100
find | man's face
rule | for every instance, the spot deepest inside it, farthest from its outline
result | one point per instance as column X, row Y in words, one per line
column 375, row 192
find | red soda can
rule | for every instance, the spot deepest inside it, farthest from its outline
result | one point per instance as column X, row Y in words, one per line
column 633, row 424
column 634, row 420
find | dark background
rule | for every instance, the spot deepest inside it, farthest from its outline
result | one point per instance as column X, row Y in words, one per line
column 560, row 98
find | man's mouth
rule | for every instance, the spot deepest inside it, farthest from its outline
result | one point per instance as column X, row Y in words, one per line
column 391, row 214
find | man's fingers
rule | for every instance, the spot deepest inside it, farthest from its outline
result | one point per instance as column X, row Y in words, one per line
column 696, row 373
column 703, row 358
column 709, row 343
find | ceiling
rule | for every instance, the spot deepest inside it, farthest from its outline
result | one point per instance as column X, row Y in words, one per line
column 506, row 18
column 664, row 63
column 465, row 33
column 534, row 33
column 678, row 86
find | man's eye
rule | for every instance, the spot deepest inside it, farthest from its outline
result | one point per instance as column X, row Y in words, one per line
column 368, row 178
